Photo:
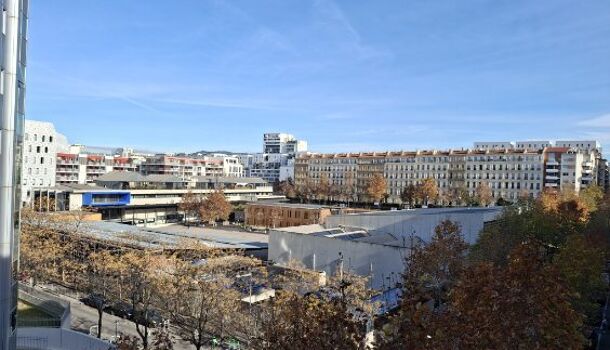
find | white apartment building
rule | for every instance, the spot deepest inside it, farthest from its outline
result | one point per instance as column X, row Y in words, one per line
column 231, row 165
column 283, row 143
column 276, row 163
column 494, row 145
column 40, row 143
column 571, row 169
column 533, row 145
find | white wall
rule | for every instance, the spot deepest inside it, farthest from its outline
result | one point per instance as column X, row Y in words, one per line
column 357, row 256
column 419, row 222
column 58, row 339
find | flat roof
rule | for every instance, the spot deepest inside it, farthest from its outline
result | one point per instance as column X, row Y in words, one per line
column 290, row 205
column 171, row 235
column 430, row 211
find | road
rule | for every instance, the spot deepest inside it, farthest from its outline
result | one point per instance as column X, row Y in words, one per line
column 84, row 317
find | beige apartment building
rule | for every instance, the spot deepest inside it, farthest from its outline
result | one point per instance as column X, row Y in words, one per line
column 510, row 170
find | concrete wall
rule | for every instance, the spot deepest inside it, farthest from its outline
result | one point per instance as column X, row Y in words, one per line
column 387, row 261
column 419, row 222
column 58, row 339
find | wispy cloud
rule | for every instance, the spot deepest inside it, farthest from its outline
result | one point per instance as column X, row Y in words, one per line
column 602, row 121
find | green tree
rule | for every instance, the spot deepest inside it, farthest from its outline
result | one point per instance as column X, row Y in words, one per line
column 581, row 265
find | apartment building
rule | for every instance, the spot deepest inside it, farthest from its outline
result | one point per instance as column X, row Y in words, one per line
column 187, row 168
column 79, row 168
column 509, row 172
column 40, row 144
column 231, row 165
column 569, row 168
column 283, row 143
column 277, row 161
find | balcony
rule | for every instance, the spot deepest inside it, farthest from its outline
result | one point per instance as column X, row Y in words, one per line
column 552, row 177
column 552, row 170
column 551, row 184
column 552, row 162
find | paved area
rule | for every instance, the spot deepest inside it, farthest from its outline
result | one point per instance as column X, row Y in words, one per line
column 84, row 317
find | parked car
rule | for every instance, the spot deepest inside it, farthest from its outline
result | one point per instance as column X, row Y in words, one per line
column 120, row 309
column 94, row 300
column 153, row 319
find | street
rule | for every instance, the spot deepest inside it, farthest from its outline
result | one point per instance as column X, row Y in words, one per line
column 84, row 317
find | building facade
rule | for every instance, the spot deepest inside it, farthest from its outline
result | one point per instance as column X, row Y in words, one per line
column 187, row 168
column 13, row 48
column 39, row 157
column 509, row 172
column 276, row 215
column 75, row 168
column 277, row 161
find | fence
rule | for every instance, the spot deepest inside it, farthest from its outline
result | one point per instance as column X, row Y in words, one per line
column 57, row 309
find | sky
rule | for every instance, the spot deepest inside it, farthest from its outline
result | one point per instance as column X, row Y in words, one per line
column 352, row 75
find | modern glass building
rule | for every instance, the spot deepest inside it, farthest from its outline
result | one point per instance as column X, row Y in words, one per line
column 13, row 45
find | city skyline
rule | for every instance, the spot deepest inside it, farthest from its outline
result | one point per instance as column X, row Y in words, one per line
column 344, row 76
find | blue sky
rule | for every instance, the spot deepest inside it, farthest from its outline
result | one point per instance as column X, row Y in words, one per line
column 349, row 75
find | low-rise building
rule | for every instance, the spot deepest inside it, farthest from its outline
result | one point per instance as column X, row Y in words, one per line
column 284, row 214
column 374, row 244
column 134, row 198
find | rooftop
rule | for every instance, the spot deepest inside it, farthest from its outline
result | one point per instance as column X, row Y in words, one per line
column 289, row 205
column 158, row 237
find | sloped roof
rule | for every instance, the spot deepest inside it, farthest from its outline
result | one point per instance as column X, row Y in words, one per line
column 121, row 176
column 224, row 179
column 163, row 178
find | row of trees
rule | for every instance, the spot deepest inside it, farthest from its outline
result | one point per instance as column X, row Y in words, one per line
column 210, row 208
column 375, row 191
column 533, row 281
column 198, row 289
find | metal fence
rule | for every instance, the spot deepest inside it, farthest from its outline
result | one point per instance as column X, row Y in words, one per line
column 32, row 343
column 57, row 309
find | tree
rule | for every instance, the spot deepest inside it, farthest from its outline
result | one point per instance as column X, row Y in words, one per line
column 215, row 207
column 296, row 323
column 428, row 190
column 349, row 188
column 45, row 250
column 189, row 205
column 459, row 196
column 581, row 264
column 140, row 279
column 523, row 305
column 409, row 194
column 376, row 188
column 101, row 282
column 483, row 194
column 430, row 274
column 592, row 195
column 322, row 188
column 287, row 188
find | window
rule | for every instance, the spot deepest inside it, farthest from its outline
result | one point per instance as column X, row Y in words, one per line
column 37, row 149
column 41, row 160
column 50, row 138
column 35, row 137
column 43, row 138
